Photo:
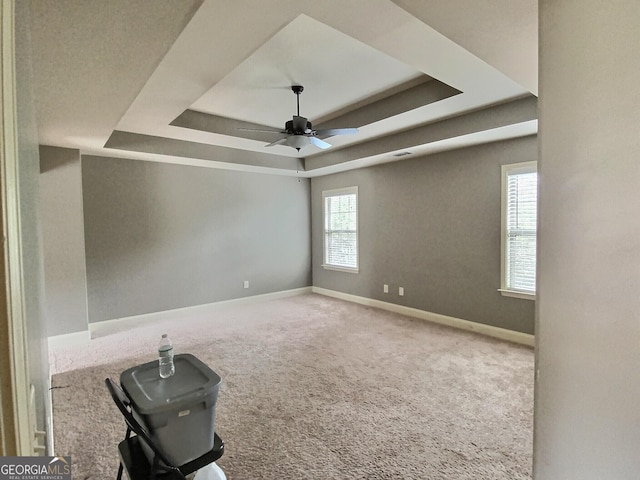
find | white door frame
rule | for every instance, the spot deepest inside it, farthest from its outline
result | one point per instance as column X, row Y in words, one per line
column 18, row 369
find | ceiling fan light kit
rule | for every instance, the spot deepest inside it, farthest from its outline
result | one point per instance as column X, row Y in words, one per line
column 297, row 141
column 300, row 132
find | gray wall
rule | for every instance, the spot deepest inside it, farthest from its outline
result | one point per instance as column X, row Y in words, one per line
column 431, row 225
column 161, row 236
column 63, row 240
column 28, row 197
column 587, row 420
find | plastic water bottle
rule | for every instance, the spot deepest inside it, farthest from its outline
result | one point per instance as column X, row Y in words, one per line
column 165, row 357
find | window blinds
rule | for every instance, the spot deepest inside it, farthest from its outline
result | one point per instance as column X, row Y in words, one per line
column 341, row 230
column 521, row 216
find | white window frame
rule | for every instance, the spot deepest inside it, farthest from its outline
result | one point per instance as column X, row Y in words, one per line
column 516, row 168
column 336, row 193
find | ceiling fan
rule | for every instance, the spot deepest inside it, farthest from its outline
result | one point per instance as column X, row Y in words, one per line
column 300, row 133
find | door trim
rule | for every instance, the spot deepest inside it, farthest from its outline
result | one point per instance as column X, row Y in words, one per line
column 18, row 399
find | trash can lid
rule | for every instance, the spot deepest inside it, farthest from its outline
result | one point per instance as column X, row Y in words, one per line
column 150, row 394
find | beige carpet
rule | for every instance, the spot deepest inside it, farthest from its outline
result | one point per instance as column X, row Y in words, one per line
column 318, row 388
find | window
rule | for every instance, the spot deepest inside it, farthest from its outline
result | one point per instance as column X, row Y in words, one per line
column 519, row 217
column 340, row 212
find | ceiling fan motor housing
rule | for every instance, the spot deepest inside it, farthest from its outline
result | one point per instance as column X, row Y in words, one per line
column 298, row 126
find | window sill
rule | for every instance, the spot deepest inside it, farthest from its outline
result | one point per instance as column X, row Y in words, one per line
column 517, row 294
column 341, row 269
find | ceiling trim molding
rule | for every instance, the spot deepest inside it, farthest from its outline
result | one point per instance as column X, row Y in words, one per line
column 512, row 119
column 426, row 93
column 496, row 116
column 179, row 148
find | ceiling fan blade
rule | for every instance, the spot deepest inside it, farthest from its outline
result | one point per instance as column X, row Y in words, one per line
column 299, row 124
column 261, row 130
column 319, row 143
column 277, row 142
column 330, row 132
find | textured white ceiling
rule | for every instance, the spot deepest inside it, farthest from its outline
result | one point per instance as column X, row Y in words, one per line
column 335, row 70
column 504, row 33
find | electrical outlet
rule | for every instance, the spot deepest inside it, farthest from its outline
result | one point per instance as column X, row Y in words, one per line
column 246, row 284
column 385, row 289
column 401, row 291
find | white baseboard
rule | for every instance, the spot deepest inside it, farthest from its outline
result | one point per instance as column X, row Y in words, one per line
column 199, row 309
column 69, row 339
column 489, row 330
column 78, row 338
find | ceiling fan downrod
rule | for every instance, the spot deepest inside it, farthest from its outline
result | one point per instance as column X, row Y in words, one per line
column 297, row 89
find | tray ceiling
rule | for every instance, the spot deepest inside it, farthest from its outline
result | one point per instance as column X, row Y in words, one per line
column 178, row 81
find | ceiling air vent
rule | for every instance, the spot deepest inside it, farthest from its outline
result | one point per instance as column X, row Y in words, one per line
column 401, row 154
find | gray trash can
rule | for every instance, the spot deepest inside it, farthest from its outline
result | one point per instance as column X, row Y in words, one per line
column 179, row 411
